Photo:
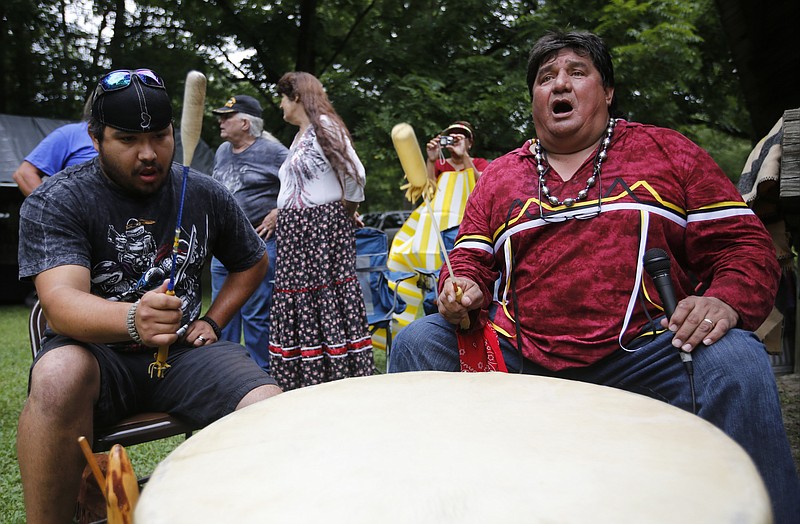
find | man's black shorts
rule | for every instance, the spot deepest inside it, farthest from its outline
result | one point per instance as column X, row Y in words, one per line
column 201, row 385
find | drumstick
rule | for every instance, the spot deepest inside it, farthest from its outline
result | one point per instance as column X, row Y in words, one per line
column 441, row 243
column 407, row 147
column 98, row 475
column 459, row 293
column 194, row 96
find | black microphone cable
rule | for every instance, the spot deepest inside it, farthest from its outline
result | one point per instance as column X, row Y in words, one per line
column 656, row 263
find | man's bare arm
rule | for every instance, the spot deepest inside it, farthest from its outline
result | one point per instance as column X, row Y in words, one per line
column 72, row 310
column 28, row 177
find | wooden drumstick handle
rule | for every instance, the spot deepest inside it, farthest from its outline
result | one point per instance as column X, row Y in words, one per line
column 194, row 97
column 89, row 455
column 407, row 147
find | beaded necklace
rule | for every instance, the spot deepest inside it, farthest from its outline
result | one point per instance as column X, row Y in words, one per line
column 541, row 169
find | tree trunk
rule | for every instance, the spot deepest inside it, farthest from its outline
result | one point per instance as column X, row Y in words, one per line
column 306, row 54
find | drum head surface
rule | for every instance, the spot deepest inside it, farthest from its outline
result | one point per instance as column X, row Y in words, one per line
column 456, row 448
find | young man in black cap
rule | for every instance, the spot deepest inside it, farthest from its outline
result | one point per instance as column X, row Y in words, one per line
column 97, row 242
column 247, row 163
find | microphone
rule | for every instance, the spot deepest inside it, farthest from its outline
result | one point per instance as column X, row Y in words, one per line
column 656, row 263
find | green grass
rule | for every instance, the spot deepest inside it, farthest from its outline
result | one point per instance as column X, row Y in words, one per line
column 380, row 360
column 15, row 359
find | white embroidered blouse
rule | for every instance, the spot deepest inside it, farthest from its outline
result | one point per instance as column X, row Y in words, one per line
column 308, row 179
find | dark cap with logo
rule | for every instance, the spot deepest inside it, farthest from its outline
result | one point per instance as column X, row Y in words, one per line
column 133, row 104
column 240, row 104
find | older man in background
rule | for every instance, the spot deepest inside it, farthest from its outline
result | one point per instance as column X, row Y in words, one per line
column 247, row 163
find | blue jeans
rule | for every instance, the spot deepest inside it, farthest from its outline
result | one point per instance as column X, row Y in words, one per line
column 734, row 383
column 253, row 318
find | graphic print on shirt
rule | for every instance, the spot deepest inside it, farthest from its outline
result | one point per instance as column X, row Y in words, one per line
column 304, row 166
column 230, row 175
column 141, row 265
column 136, row 246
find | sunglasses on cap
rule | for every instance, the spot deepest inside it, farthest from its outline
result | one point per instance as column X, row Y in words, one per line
column 122, row 78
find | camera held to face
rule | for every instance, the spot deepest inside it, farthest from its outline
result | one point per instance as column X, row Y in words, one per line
column 446, row 140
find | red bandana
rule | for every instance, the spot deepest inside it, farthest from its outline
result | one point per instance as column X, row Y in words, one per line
column 479, row 350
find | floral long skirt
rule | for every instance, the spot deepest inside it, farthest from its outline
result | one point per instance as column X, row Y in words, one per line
column 318, row 328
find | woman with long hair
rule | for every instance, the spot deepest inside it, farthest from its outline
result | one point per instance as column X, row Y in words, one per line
column 319, row 329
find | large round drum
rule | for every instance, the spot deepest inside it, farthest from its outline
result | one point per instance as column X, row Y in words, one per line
column 456, row 448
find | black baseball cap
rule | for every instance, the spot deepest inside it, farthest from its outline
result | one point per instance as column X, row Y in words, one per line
column 132, row 100
column 240, row 104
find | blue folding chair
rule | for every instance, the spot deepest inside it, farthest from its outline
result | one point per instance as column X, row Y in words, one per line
column 382, row 302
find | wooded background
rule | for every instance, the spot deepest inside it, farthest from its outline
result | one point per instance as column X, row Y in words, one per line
column 719, row 71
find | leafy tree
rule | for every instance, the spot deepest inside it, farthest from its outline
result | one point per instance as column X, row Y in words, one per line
column 43, row 62
column 425, row 62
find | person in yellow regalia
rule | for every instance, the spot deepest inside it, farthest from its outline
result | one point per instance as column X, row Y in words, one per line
column 454, row 171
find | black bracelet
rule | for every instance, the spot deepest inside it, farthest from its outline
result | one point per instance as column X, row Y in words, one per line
column 214, row 326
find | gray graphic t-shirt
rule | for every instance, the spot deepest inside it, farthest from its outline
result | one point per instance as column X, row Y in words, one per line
column 82, row 218
column 252, row 175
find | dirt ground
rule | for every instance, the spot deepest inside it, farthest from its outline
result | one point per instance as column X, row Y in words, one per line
column 789, row 387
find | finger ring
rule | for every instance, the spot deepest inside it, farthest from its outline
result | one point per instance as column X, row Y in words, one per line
column 709, row 321
column 201, row 338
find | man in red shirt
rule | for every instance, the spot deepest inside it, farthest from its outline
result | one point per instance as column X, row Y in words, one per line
column 550, row 260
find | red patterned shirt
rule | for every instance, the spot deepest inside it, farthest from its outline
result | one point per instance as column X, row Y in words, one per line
column 580, row 283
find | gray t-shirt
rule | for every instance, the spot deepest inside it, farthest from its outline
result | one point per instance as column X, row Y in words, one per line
column 82, row 218
column 252, row 175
